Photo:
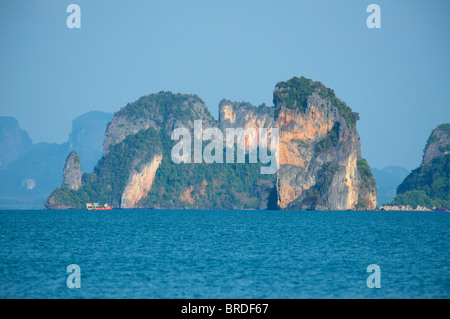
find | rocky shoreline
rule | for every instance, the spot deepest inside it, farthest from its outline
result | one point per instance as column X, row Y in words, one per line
column 404, row 208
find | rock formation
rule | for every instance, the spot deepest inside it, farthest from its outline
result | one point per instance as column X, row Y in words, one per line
column 246, row 116
column 319, row 156
column 320, row 153
column 72, row 172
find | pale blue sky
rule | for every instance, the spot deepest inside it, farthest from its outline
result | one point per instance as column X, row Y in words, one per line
column 396, row 77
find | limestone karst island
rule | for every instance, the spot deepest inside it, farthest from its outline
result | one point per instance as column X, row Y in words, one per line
column 320, row 165
column 320, row 161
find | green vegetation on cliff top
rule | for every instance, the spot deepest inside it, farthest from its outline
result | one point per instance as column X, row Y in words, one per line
column 75, row 156
column 294, row 93
column 159, row 106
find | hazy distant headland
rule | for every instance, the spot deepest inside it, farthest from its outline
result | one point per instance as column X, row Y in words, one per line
column 429, row 184
column 388, row 180
column 30, row 172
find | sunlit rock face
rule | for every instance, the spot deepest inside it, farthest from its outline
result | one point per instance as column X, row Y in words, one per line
column 319, row 150
column 140, row 183
column 72, row 172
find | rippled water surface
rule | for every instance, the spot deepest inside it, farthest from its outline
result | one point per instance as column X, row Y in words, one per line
column 224, row 254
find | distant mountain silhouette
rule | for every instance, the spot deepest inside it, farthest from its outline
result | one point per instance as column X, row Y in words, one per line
column 31, row 171
column 14, row 142
column 86, row 138
column 388, row 180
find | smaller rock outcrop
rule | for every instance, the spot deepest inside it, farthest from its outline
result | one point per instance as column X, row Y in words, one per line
column 72, row 172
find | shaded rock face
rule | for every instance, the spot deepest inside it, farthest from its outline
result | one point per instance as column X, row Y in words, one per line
column 319, row 154
column 438, row 143
column 244, row 115
column 250, row 118
column 72, row 172
column 121, row 127
column 267, row 195
column 140, row 183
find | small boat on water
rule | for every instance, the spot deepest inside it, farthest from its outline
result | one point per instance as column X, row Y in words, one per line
column 97, row 206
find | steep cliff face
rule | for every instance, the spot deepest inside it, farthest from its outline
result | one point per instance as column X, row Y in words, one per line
column 319, row 150
column 72, row 172
column 140, row 183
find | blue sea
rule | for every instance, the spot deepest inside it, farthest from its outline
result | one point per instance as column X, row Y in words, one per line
column 224, row 254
